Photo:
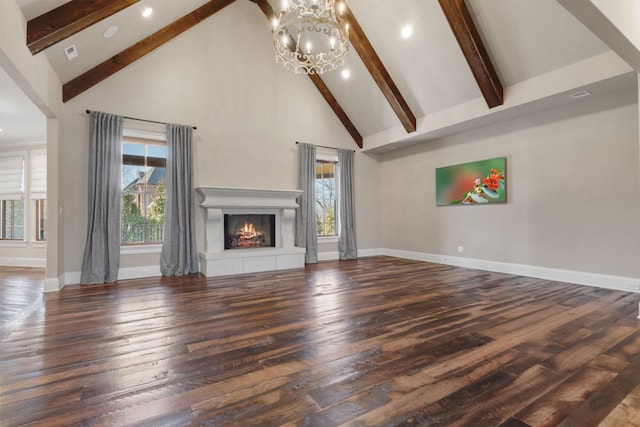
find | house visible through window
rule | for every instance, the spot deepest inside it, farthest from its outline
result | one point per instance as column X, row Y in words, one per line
column 143, row 190
column 326, row 198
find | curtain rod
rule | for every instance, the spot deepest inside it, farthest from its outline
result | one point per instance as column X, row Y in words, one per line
column 144, row 120
column 321, row 146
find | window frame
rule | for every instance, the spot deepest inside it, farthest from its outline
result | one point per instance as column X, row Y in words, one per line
column 3, row 214
column 325, row 157
column 23, row 154
column 146, row 138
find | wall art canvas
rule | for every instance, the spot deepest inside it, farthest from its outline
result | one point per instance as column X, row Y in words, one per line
column 474, row 183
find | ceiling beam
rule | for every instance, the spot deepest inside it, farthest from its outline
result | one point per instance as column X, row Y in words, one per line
column 68, row 19
column 376, row 68
column 267, row 10
column 337, row 109
column 114, row 64
column 474, row 51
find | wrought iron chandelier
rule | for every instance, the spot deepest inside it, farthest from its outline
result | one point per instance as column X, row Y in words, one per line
column 307, row 37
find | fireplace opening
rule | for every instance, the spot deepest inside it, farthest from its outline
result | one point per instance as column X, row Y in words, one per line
column 243, row 231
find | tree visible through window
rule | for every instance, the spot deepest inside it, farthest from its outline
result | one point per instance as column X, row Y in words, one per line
column 143, row 190
column 11, row 219
column 326, row 205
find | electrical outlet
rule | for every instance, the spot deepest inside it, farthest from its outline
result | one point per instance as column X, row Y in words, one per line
column 460, row 249
column 632, row 286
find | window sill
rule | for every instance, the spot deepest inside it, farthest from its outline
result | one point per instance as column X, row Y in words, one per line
column 140, row 249
column 330, row 239
column 39, row 244
column 13, row 244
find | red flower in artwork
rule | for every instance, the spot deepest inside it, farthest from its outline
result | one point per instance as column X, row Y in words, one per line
column 485, row 188
column 492, row 182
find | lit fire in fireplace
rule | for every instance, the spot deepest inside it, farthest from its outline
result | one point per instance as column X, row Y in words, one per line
column 248, row 231
column 247, row 237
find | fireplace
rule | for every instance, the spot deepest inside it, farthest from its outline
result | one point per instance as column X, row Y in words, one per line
column 248, row 230
column 245, row 231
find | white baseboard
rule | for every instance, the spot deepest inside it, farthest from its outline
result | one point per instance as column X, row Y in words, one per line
column 606, row 281
column 328, row 256
column 23, row 262
column 52, row 284
column 370, row 252
column 335, row 255
column 73, row 278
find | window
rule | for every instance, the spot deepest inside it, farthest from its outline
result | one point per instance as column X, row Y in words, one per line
column 41, row 220
column 11, row 220
column 326, row 197
column 11, row 194
column 38, row 192
column 143, row 190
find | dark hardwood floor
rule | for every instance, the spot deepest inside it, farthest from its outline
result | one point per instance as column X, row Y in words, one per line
column 374, row 342
column 20, row 294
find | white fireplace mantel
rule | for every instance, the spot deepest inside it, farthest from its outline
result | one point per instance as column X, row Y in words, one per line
column 220, row 201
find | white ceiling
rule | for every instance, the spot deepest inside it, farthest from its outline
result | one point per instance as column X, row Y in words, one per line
column 524, row 38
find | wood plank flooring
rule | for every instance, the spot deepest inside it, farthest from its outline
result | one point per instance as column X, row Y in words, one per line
column 379, row 341
column 20, row 294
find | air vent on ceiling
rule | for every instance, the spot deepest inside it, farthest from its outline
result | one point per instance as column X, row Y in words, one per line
column 580, row 94
column 71, row 52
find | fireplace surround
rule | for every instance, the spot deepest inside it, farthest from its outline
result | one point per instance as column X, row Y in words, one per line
column 225, row 202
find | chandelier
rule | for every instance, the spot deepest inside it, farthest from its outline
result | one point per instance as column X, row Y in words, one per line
column 307, row 37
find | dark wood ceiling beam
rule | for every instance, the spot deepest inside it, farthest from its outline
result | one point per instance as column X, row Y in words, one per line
column 66, row 20
column 376, row 68
column 474, row 51
column 337, row 109
column 267, row 10
column 114, row 64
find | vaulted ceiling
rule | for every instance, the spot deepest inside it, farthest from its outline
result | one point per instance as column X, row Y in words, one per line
column 460, row 51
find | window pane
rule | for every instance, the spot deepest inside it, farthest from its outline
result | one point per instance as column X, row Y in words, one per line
column 157, row 151
column 326, row 198
column 132, row 219
column 143, row 192
column 12, row 220
column 41, row 219
column 132, row 148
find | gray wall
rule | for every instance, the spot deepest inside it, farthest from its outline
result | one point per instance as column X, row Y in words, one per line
column 572, row 185
column 249, row 112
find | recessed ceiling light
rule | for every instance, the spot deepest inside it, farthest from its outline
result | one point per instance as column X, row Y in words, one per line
column 406, row 31
column 110, row 32
column 1, row 129
column 147, row 12
column 346, row 74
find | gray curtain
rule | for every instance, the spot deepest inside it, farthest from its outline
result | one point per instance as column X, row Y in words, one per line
column 102, row 249
column 347, row 247
column 306, row 233
column 179, row 255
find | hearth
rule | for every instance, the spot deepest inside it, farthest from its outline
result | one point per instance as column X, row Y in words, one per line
column 246, row 231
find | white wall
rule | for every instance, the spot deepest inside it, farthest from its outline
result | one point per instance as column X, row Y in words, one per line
column 36, row 78
column 573, row 191
column 625, row 15
column 249, row 112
